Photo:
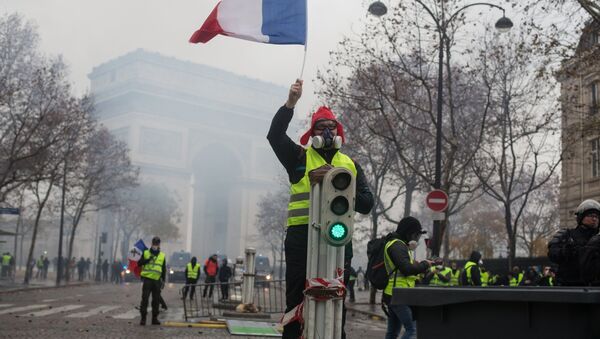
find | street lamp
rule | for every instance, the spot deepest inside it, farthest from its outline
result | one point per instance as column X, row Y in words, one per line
column 503, row 25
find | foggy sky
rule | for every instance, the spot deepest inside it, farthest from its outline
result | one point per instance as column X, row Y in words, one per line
column 88, row 33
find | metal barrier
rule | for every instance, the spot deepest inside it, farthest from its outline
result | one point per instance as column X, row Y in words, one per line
column 269, row 297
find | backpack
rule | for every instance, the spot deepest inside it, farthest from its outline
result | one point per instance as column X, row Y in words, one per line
column 376, row 272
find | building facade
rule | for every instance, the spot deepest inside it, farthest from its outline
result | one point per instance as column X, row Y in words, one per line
column 580, row 101
column 201, row 132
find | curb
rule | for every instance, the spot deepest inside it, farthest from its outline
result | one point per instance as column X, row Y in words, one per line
column 373, row 315
column 23, row 289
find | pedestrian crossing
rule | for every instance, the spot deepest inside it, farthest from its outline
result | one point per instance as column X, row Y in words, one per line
column 82, row 311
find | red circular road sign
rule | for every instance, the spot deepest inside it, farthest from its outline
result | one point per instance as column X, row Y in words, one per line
column 437, row 200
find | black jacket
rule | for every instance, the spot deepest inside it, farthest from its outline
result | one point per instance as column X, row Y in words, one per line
column 398, row 253
column 565, row 249
column 590, row 262
column 224, row 273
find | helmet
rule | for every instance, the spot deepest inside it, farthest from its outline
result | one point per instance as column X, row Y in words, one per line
column 586, row 206
column 156, row 241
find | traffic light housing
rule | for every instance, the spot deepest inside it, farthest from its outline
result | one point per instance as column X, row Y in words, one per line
column 338, row 192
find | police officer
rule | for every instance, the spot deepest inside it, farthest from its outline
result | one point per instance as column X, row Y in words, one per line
column 402, row 269
column 154, row 267
column 305, row 167
column 471, row 274
column 566, row 247
column 192, row 273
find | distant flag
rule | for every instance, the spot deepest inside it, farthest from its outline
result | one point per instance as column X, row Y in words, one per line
column 135, row 254
column 280, row 22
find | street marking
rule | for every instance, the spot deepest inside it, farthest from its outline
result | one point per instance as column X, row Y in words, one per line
column 94, row 311
column 6, row 305
column 127, row 315
column 54, row 310
column 49, row 300
column 22, row 308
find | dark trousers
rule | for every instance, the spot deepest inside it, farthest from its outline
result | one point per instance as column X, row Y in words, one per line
column 210, row 279
column 224, row 290
column 150, row 287
column 296, row 241
column 350, row 287
column 190, row 285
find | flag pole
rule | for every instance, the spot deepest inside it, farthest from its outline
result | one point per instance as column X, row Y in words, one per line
column 305, row 39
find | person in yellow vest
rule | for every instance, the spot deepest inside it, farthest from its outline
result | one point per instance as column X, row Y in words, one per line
column 485, row 276
column 154, row 267
column 515, row 277
column 439, row 275
column 192, row 273
column 6, row 264
column 402, row 269
column 454, row 274
column 549, row 277
column 306, row 167
column 471, row 274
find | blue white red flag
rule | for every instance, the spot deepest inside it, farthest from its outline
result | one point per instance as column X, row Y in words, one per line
column 135, row 254
column 280, row 22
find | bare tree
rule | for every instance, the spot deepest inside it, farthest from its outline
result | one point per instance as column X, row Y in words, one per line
column 94, row 184
column 519, row 155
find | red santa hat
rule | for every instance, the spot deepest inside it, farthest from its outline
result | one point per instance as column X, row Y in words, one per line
column 323, row 113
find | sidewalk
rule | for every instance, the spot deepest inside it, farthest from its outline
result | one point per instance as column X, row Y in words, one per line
column 362, row 305
column 16, row 285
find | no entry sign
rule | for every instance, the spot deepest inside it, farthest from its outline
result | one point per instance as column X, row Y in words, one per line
column 437, row 200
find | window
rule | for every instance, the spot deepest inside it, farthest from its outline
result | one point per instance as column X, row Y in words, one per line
column 594, row 96
column 595, row 158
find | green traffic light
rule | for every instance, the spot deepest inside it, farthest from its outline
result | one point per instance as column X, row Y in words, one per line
column 338, row 231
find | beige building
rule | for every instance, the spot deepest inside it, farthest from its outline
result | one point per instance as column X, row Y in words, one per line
column 580, row 98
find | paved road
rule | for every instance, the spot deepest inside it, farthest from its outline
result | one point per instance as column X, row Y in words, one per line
column 107, row 311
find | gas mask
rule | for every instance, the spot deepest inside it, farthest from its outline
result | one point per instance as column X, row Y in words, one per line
column 413, row 244
column 327, row 140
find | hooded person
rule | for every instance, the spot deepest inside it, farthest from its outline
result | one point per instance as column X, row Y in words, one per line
column 402, row 269
column 306, row 164
column 576, row 251
column 192, row 273
column 471, row 274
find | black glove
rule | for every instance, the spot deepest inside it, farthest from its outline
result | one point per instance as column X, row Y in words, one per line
column 162, row 284
column 385, row 309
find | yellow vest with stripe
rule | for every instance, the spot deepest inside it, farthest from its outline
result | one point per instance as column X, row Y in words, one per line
column 516, row 281
column 468, row 266
column 6, row 260
column 192, row 272
column 153, row 268
column 436, row 281
column 300, row 191
column 397, row 279
column 454, row 277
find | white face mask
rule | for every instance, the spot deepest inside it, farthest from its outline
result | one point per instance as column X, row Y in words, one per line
column 480, row 262
column 413, row 244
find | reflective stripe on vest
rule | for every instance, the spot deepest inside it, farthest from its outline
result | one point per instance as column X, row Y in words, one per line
column 454, row 277
column 397, row 279
column 515, row 282
column 435, row 280
column 300, row 191
column 153, row 268
column 192, row 272
column 468, row 266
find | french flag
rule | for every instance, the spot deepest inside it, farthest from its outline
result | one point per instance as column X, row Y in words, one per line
column 281, row 22
column 135, row 254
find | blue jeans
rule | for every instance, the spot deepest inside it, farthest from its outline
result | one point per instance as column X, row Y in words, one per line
column 400, row 315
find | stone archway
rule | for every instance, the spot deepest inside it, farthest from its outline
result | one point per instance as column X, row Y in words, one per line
column 217, row 201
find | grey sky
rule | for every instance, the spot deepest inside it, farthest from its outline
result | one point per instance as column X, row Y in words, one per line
column 88, row 33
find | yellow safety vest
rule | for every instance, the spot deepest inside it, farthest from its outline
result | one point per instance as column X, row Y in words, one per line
column 454, row 277
column 515, row 282
column 397, row 279
column 5, row 260
column 192, row 272
column 435, row 281
column 300, row 191
column 485, row 278
column 153, row 268
column 468, row 266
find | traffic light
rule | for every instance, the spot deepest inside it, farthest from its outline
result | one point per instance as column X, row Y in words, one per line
column 337, row 206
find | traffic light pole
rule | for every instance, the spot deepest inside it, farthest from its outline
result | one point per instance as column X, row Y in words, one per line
column 325, row 256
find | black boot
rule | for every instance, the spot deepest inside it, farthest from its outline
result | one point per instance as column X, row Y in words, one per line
column 155, row 321
column 143, row 320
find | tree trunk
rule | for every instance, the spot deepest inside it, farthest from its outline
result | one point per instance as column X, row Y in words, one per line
column 512, row 235
column 375, row 221
column 28, row 267
column 410, row 189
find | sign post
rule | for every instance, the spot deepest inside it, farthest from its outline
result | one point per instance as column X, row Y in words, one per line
column 437, row 202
